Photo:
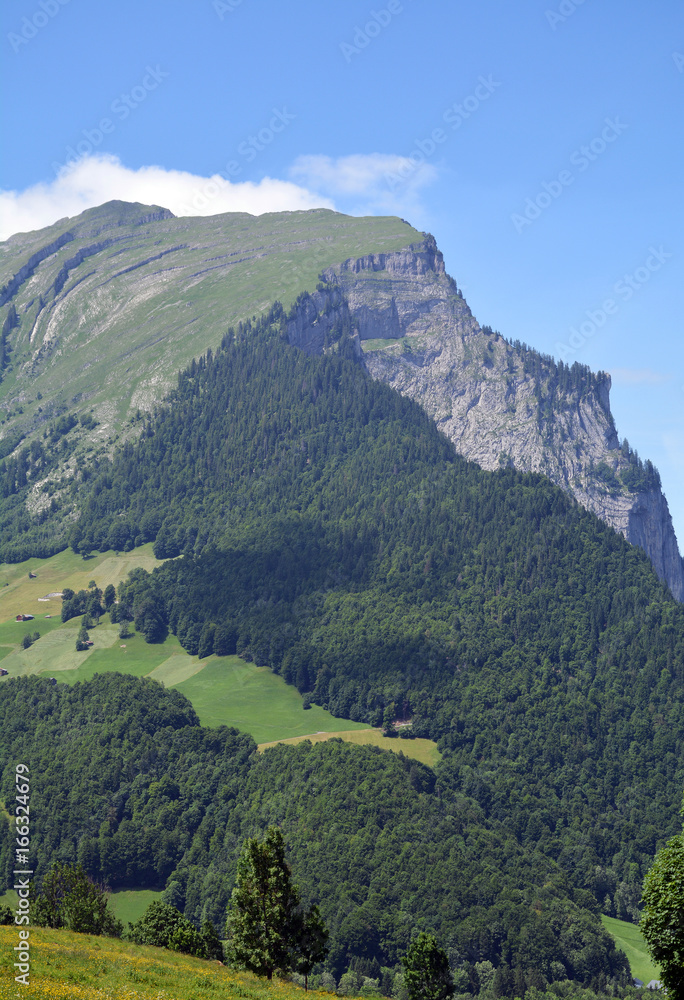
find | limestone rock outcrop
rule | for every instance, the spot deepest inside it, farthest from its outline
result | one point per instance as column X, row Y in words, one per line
column 500, row 403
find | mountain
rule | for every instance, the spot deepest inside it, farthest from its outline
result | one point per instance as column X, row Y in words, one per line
column 329, row 531
column 503, row 404
column 101, row 311
column 111, row 304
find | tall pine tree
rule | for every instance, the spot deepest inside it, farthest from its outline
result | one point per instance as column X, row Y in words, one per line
column 263, row 916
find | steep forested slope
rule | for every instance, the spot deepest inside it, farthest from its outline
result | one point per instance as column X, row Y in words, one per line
column 124, row 779
column 330, row 532
column 121, row 774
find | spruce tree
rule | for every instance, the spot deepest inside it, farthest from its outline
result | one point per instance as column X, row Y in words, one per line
column 262, row 920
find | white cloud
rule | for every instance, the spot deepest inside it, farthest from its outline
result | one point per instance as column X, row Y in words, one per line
column 361, row 184
column 368, row 183
column 93, row 180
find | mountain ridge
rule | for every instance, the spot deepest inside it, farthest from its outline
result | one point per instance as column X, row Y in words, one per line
column 113, row 302
column 498, row 414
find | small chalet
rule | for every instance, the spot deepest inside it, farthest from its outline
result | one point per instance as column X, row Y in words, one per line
column 24, row 618
column 3, row 672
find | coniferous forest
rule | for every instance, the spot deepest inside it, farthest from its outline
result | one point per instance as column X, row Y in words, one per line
column 317, row 522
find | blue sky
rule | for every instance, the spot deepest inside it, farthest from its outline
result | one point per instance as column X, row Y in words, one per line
column 541, row 142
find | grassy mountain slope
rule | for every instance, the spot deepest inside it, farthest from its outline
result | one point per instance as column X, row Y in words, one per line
column 129, row 294
column 25, row 585
column 629, row 939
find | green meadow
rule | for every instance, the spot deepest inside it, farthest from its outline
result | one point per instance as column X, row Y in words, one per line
column 9, row 898
column 128, row 905
column 224, row 690
column 256, row 701
column 629, row 938
column 423, row 750
column 21, row 595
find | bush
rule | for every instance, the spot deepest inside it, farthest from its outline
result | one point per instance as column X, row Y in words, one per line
column 187, row 938
column 69, row 898
column 164, row 926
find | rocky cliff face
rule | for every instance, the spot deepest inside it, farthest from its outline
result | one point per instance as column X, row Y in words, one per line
column 500, row 403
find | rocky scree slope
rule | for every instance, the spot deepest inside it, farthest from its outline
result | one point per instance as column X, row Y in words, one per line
column 501, row 404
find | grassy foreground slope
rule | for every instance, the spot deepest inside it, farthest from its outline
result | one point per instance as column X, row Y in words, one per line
column 68, row 966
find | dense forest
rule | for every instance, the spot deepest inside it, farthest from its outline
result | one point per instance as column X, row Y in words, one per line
column 315, row 521
column 125, row 781
column 328, row 530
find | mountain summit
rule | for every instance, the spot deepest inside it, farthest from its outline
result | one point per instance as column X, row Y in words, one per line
column 503, row 404
column 99, row 312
